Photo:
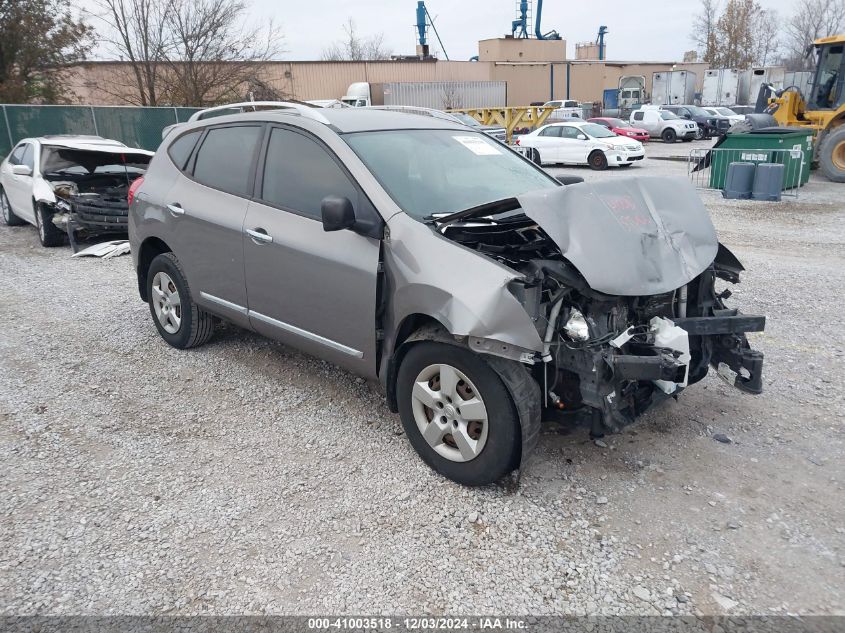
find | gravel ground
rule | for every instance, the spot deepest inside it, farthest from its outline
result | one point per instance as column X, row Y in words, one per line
column 245, row 477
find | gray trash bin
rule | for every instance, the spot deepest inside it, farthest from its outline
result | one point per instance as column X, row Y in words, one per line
column 768, row 181
column 739, row 181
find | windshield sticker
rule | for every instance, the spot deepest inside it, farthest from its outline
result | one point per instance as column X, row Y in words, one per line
column 477, row 145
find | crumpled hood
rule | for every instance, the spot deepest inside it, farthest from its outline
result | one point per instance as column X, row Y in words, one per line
column 628, row 236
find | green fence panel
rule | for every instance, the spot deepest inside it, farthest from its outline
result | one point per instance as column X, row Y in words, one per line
column 25, row 121
column 134, row 126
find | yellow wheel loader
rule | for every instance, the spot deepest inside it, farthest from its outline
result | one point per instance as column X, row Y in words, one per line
column 823, row 109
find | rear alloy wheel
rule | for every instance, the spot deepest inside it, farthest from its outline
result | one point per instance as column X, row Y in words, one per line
column 458, row 414
column 178, row 319
column 669, row 135
column 9, row 216
column 597, row 160
column 48, row 233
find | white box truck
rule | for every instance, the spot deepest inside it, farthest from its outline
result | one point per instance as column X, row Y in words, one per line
column 720, row 87
column 673, row 87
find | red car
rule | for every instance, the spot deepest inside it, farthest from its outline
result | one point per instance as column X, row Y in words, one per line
column 621, row 128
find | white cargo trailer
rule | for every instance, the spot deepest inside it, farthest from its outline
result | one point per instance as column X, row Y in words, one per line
column 672, row 87
column 720, row 87
column 751, row 80
column 440, row 95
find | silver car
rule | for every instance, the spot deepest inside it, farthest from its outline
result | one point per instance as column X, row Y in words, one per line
column 483, row 294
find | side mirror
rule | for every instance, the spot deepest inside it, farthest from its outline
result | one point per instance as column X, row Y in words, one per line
column 569, row 180
column 581, row 137
column 687, row 115
column 21, row 170
column 337, row 213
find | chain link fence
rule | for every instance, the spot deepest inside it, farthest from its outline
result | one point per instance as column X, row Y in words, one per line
column 134, row 126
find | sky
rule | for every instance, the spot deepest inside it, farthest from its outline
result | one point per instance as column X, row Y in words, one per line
column 646, row 30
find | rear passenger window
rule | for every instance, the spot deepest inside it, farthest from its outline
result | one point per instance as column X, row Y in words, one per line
column 638, row 116
column 299, row 173
column 180, row 149
column 551, row 131
column 225, row 158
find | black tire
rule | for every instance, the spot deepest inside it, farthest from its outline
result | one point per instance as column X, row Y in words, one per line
column 597, row 161
column 832, row 155
column 9, row 216
column 535, row 157
column 669, row 135
column 196, row 326
column 501, row 453
column 699, row 134
column 48, row 233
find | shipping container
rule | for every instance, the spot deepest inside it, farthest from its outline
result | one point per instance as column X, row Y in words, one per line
column 750, row 81
column 441, row 95
column 720, row 87
column 673, row 87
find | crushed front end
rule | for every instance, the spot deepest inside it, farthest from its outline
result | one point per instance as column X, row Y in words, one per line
column 620, row 281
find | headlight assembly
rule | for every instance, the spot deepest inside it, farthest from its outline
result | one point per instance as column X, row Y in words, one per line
column 576, row 327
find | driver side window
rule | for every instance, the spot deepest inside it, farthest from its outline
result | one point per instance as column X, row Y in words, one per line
column 28, row 158
column 17, row 154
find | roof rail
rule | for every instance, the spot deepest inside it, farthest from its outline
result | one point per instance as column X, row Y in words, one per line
column 307, row 111
column 437, row 114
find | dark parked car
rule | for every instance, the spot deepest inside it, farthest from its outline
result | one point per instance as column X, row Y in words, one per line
column 708, row 124
column 484, row 295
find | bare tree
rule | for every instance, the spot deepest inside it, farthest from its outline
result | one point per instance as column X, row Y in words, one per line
column 704, row 30
column 741, row 35
column 136, row 31
column 214, row 55
column 186, row 52
column 811, row 20
column 764, row 26
column 356, row 47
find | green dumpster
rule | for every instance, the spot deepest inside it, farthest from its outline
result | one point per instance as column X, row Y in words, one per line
column 759, row 147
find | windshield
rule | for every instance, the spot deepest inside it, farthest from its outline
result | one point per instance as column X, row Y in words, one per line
column 430, row 172
column 466, row 119
column 597, row 131
column 726, row 112
column 668, row 116
column 696, row 111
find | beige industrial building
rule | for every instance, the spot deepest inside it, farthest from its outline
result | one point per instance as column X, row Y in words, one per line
column 535, row 70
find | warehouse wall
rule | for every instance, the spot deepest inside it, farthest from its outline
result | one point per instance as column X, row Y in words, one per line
column 110, row 83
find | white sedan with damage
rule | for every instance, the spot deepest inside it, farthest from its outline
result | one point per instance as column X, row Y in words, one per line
column 65, row 185
column 580, row 143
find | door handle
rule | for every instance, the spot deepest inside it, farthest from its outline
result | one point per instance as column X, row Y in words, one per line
column 176, row 209
column 259, row 236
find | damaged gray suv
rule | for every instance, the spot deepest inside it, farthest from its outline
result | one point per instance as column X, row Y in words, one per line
column 483, row 294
